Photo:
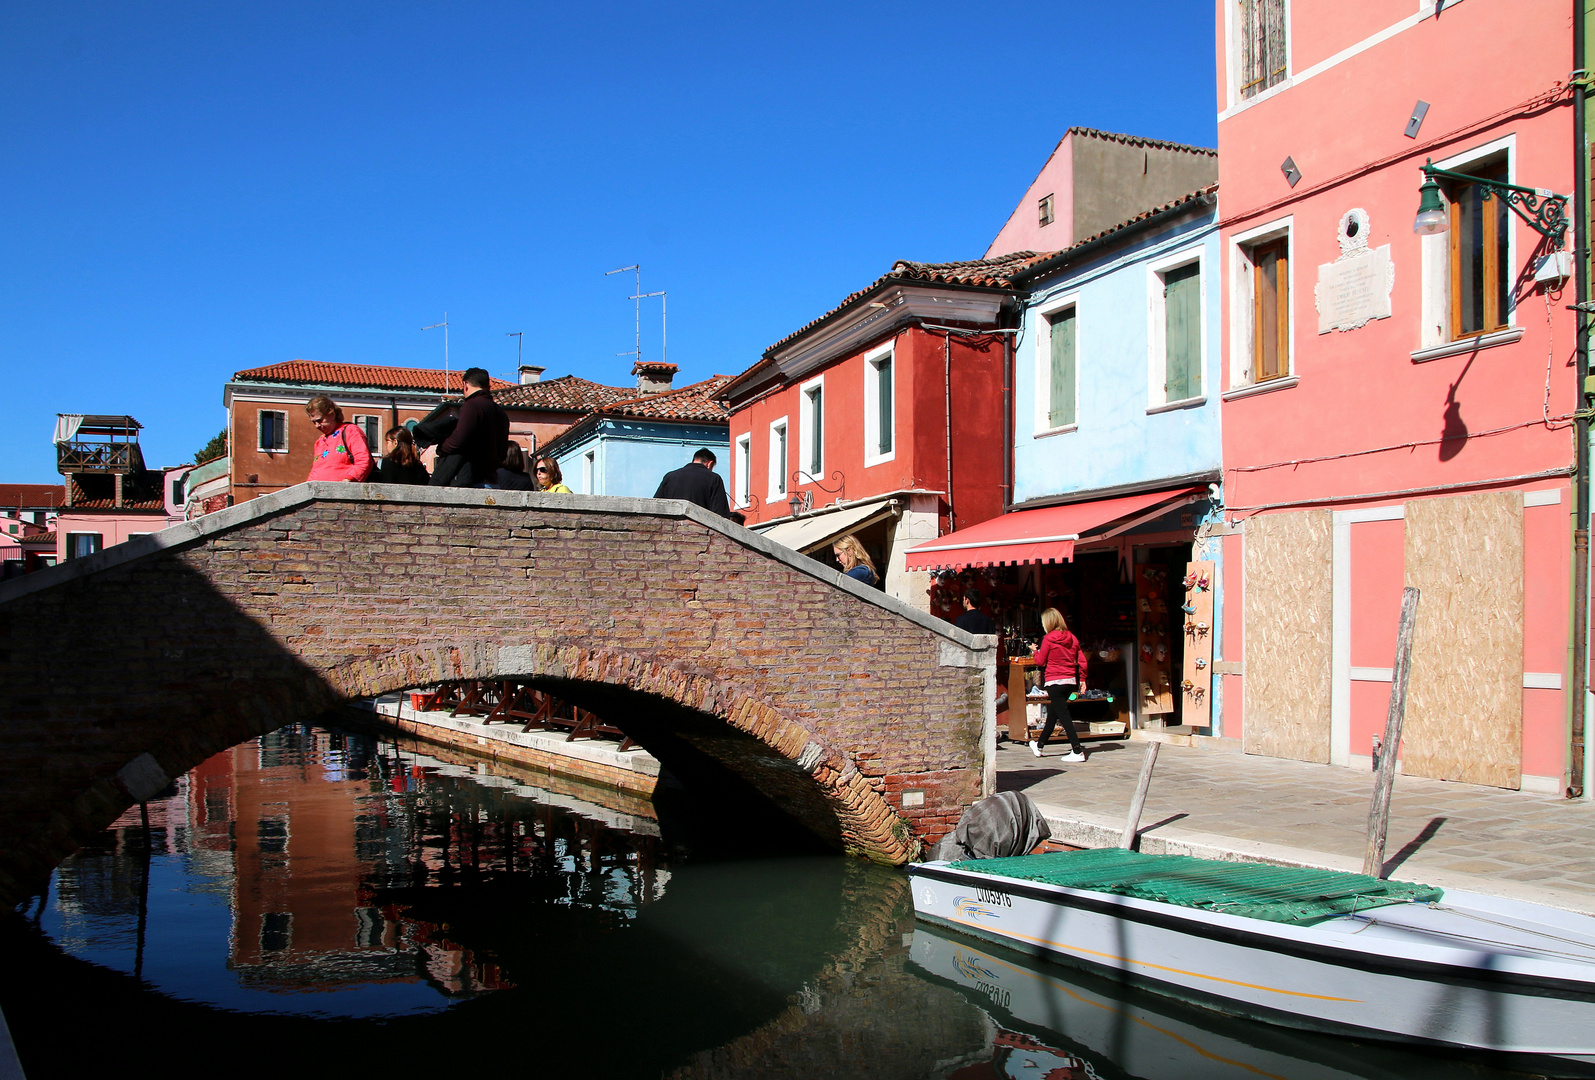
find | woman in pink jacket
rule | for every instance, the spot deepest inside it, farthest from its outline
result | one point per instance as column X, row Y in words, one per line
column 1063, row 666
column 341, row 453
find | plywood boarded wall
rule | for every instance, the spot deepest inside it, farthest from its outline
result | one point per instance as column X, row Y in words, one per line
column 1465, row 699
column 1288, row 590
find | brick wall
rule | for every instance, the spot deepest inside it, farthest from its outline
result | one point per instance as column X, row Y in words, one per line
column 719, row 651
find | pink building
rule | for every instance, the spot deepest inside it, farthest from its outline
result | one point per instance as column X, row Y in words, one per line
column 110, row 496
column 1396, row 406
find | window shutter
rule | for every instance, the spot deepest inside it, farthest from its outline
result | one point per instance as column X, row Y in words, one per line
column 1182, row 329
column 1061, row 412
column 883, row 393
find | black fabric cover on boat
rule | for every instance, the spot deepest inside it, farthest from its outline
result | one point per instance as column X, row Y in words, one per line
column 1003, row 825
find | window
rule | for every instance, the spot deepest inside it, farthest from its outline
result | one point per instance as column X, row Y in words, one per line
column 811, row 437
column 589, row 472
column 1267, row 265
column 12, row 529
column 1481, row 254
column 1176, row 330
column 778, row 459
column 1057, row 366
column 1260, row 44
column 371, row 428
column 273, row 431
column 880, row 399
column 179, row 489
column 82, row 545
column 1044, row 210
column 741, row 466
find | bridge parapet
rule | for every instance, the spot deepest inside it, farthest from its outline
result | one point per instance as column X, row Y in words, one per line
column 866, row 721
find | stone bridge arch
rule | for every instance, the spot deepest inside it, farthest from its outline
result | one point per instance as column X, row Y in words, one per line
column 867, row 722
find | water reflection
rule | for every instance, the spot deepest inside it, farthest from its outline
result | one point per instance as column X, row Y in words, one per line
column 319, row 902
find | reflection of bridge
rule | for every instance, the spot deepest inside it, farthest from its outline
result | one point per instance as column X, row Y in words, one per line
column 735, row 661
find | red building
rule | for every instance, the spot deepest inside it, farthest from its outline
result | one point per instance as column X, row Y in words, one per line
column 885, row 418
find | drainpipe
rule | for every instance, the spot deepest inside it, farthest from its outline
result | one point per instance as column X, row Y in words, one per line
column 947, row 374
column 1579, row 683
column 1007, row 421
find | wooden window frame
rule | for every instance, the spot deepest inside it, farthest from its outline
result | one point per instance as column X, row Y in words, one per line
column 1281, row 327
column 1495, row 260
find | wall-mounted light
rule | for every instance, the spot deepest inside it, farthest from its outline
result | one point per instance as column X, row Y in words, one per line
column 1542, row 209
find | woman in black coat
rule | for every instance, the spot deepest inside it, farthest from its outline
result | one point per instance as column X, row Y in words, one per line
column 400, row 463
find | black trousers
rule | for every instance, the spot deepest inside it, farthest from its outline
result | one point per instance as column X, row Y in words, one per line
column 1058, row 710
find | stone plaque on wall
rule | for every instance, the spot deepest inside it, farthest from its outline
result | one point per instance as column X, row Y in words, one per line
column 1355, row 288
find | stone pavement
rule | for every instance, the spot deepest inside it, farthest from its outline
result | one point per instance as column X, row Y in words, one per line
column 1222, row 804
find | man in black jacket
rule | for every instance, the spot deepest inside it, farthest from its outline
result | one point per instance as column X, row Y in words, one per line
column 697, row 482
column 474, row 450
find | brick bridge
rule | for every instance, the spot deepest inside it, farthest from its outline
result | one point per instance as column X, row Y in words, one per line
column 734, row 660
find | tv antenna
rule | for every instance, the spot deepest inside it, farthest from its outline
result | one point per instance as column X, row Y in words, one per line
column 637, row 267
column 445, row 325
column 664, row 344
column 517, row 335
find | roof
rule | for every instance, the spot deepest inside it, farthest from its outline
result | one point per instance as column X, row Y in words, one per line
column 41, row 540
column 1138, row 140
column 568, row 393
column 997, row 273
column 95, row 491
column 1061, row 258
column 695, row 404
column 32, row 495
column 323, row 373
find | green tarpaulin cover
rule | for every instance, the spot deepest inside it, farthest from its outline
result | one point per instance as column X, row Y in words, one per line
column 1284, row 894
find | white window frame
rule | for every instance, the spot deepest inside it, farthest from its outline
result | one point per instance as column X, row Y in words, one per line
column 1435, row 329
column 777, row 467
column 99, row 539
column 872, row 404
column 742, row 470
column 812, row 394
column 1157, row 354
column 590, row 472
column 1232, row 60
column 373, row 442
column 1043, row 374
column 260, row 415
column 1242, row 362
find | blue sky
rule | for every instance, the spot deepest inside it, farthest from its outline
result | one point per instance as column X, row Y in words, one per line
column 187, row 190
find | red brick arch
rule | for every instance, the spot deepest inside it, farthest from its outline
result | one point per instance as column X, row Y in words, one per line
column 136, row 664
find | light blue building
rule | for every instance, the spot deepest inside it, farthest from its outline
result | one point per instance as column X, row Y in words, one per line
column 625, row 448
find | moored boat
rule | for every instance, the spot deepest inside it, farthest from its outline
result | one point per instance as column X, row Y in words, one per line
column 1307, row 948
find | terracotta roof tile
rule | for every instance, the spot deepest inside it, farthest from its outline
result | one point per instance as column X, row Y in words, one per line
column 323, row 373
column 32, row 495
column 96, row 491
column 568, row 393
column 1060, row 258
column 1138, row 140
column 695, row 402
column 995, row 273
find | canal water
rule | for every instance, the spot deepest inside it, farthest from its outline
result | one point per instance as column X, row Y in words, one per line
column 320, row 903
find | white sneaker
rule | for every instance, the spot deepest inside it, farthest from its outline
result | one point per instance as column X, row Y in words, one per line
column 1035, row 748
column 1074, row 755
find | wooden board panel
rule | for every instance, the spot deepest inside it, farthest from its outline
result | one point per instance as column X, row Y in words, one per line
column 1465, row 700
column 1288, row 597
column 1196, row 709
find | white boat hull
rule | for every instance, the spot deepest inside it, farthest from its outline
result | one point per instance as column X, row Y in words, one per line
column 1404, row 972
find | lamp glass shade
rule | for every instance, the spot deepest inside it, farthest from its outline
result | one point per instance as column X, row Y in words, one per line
column 1432, row 215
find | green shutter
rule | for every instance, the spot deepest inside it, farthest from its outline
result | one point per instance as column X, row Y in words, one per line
column 1182, row 333
column 1061, row 412
column 883, row 392
column 817, row 437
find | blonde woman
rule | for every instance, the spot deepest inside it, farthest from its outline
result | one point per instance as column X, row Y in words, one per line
column 855, row 560
column 1063, row 668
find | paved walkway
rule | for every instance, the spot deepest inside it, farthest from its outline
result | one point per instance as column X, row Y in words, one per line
column 1231, row 805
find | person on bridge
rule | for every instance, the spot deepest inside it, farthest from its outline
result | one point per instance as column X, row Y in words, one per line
column 973, row 619
column 855, row 561
column 697, row 482
column 400, row 463
column 1063, row 666
column 470, row 456
column 341, row 452
column 512, row 474
column 549, row 478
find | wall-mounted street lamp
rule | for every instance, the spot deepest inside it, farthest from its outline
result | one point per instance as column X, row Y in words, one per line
column 1542, row 209
column 802, row 502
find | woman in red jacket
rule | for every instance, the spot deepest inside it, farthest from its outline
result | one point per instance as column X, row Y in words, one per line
column 1063, row 666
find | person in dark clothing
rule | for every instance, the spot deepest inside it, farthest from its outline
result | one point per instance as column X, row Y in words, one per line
column 697, row 482
column 512, row 474
column 973, row 619
column 400, row 463
column 470, row 456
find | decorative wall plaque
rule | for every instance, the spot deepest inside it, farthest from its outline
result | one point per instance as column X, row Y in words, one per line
column 1355, row 288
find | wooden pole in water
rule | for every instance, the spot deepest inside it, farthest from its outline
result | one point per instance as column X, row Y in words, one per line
column 1373, row 860
column 1128, row 840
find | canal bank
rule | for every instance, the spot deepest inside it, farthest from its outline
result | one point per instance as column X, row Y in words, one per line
column 1208, row 802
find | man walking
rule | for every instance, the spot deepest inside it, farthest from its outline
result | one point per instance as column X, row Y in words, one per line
column 474, row 450
column 697, row 482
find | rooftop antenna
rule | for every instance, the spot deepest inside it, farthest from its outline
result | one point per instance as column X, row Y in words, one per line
column 637, row 352
column 445, row 325
column 664, row 314
column 517, row 335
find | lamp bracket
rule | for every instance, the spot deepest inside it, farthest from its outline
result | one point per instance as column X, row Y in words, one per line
column 1541, row 209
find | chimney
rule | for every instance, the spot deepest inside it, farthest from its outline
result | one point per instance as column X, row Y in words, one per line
column 653, row 378
column 530, row 373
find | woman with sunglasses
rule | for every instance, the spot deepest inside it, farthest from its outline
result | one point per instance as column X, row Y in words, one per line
column 549, row 478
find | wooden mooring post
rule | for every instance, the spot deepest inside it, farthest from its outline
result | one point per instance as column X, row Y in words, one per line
column 1127, row 841
column 1373, row 860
